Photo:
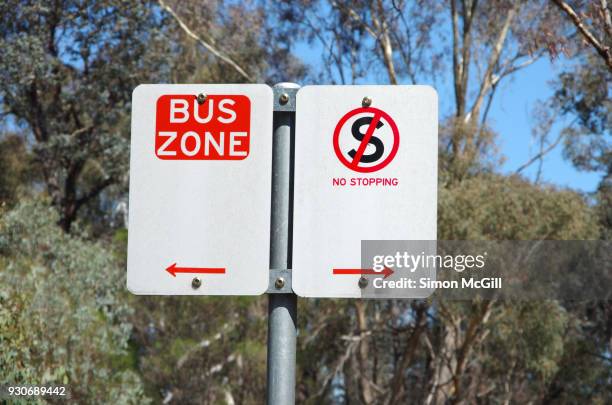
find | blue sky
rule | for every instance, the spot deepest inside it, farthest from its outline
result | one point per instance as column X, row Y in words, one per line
column 510, row 116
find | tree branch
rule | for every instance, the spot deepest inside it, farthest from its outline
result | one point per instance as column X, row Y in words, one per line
column 385, row 42
column 604, row 51
column 606, row 15
column 466, row 44
column 94, row 192
column 493, row 60
column 363, row 352
column 205, row 44
column 541, row 154
column 397, row 384
column 457, row 71
column 338, row 367
column 353, row 14
column 470, row 336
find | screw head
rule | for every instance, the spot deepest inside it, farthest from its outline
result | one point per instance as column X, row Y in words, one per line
column 279, row 283
column 366, row 102
column 363, row 282
column 201, row 98
column 196, row 283
column 283, row 98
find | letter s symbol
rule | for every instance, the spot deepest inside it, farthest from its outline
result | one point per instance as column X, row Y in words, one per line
column 378, row 144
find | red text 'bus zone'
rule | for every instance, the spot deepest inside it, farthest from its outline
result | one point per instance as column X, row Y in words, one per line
column 218, row 129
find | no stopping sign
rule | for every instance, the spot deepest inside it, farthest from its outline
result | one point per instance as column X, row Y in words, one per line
column 369, row 188
column 366, row 139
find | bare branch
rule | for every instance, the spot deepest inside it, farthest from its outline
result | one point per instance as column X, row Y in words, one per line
column 457, row 71
column 607, row 18
column 541, row 154
column 545, row 130
column 205, row 44
column 510, row 67
column 380, row 33
column 363, row 352
column 338, row 367
column 466, row 44
column 329, row 46
column 353, row 14
column 397, row 384
column 493, row 60
column 471, row 334
column 604, row 51
column 203, row 344
column 97, row 189
column 405, row 54
column 385, row 42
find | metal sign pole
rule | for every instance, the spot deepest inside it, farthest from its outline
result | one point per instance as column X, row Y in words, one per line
column 282, row 302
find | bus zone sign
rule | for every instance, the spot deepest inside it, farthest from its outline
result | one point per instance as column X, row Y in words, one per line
column 200, row 184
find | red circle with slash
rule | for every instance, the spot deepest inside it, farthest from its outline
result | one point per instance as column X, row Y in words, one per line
column 378, row 116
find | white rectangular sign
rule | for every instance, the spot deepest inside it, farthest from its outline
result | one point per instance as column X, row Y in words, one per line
column 200, row 180
column 365, row 169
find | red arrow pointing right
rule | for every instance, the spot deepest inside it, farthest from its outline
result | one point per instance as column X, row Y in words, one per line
column 386, row 271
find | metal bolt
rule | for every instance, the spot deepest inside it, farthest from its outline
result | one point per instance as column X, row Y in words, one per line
column 201, row 98
column 283, row 99
column 366, row 102
column 363, row 282
column 279, row 283
column 196, row 283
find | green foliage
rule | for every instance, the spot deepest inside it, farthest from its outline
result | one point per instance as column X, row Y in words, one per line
column 498, row 207
column 198, row 350
column 15, row 168
column 67, row 71
column 68, row 68
column 63, row 318
column 604, row 207
column 583, row 371
column 531, row 338
column 585, row 94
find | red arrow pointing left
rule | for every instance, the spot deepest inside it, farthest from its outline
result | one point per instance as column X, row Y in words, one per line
column 173, row 269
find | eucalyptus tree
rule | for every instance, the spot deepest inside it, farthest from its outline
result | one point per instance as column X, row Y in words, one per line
column 437, row 352
column 67, row 70
column 64, row 320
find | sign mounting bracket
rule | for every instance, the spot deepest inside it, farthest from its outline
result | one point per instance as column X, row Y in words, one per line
column 280, row 282
column 284, row 98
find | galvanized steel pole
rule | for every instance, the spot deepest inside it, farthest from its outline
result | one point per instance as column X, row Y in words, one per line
column 282, row 302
